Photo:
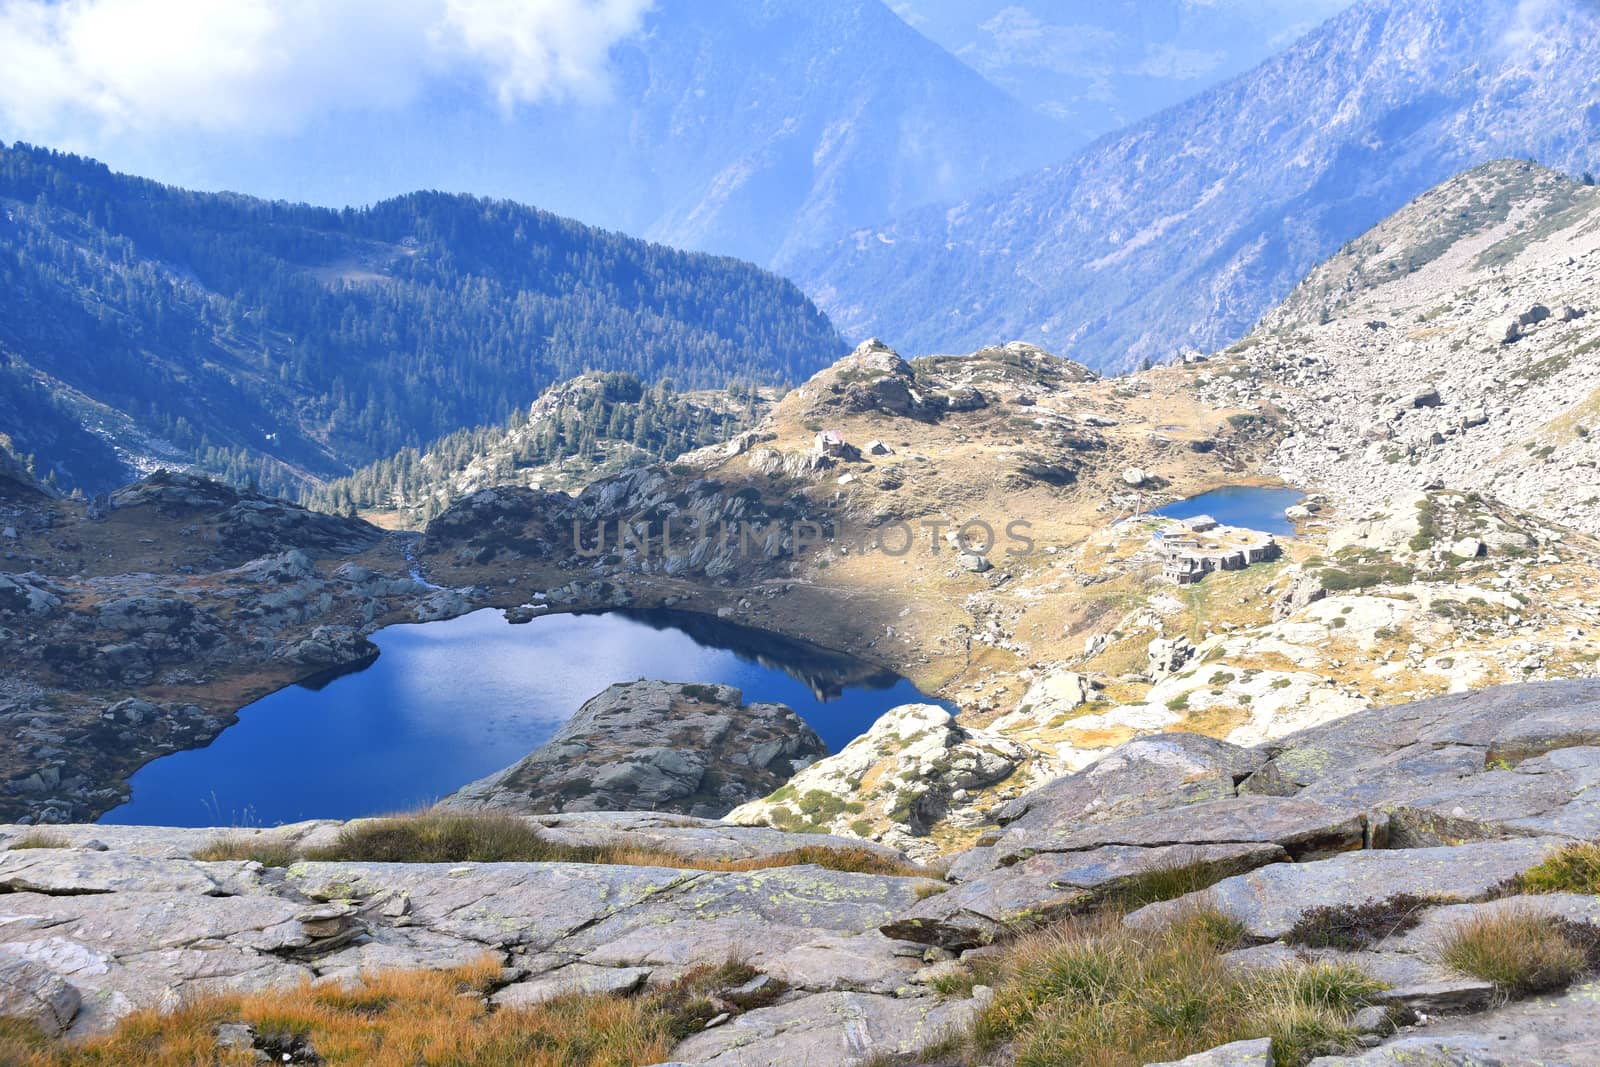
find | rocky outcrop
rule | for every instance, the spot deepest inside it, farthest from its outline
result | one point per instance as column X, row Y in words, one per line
column 123, row 919
column 1442, row 804
column 248, row 524
column 176, row 584
column 654, row 746
column 1484, row 344
column 914, row 767
column 1444, row 800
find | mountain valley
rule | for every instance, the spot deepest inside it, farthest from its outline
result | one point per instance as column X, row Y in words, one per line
column 584, row 657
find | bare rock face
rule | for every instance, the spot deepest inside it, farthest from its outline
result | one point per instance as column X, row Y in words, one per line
column 36, row 994
column 654, row 746
column 923, row 766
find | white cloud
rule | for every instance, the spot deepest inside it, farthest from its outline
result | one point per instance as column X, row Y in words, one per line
column 72, row 68
column 1168, row 60
column 1021, row 38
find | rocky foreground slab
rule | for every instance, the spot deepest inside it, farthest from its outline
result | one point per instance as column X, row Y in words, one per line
column 1445, row 805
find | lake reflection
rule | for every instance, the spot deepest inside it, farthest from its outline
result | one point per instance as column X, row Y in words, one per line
column 449, row 702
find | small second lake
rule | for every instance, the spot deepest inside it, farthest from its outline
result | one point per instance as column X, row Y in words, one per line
column 1253, row 507
column 449, row 702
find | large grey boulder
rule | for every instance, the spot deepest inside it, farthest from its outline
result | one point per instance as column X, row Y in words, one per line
column 1257, row 1053
column 1047, row 886
column 35, row 994
column 1306, row 829
column 26, row 594
column 1269, row 901
column 827, row 1028
column 654, row 746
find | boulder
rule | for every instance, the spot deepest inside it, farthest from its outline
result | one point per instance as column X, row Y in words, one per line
column 1533, row 316
column 27, row 594
column 1058, row 692
column 1168, row 655
column 34, row 994
column 1505, row 331
column 330, row 646
column 1135, row 477
column 654, row 746
column 1257, row 1053
column 919, row 759
column 1268, row 901
column 974, row 562
column 831, row 1028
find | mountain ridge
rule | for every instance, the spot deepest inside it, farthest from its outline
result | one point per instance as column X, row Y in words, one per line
column 1119, row 255
column 281, row 342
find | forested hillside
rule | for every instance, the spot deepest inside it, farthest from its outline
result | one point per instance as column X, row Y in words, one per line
column 274, row 341
column 577, row 432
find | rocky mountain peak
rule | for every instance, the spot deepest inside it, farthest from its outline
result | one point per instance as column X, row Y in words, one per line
column 1180, row 231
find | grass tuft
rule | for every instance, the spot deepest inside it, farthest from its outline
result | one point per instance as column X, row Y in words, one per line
column 448, row 837
column 1168, row 882
column 1093, row 992
column 267, row 851
column 464, row 837
column 1520, row 950
column 399, row 1017
column 38, row 839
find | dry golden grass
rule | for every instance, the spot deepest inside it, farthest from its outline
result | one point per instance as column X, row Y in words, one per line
column 1092, row 992
column 269, row 852
column 38, row 839
column 1521, row 950
column 452, row 837
column 410, row 1018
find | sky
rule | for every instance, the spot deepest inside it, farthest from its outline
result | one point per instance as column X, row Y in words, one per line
column 341, row 101
column 83, row 73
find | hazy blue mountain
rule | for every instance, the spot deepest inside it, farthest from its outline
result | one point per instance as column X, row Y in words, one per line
column 1183, row 229
column 144, row 324
column 1102, row 64
column 744, row 127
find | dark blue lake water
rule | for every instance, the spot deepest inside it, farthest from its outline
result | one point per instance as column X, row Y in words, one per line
column 449, row 702
column 1249, row 506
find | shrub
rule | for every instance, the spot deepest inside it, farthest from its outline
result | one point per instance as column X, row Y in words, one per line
column 1573, row 869
column 1357, row 926
column 1520, row 950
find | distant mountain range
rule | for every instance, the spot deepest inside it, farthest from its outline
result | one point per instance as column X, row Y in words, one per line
column 143, row 324
column 742, row 127
column 1098, row 65
column 1182, row 230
